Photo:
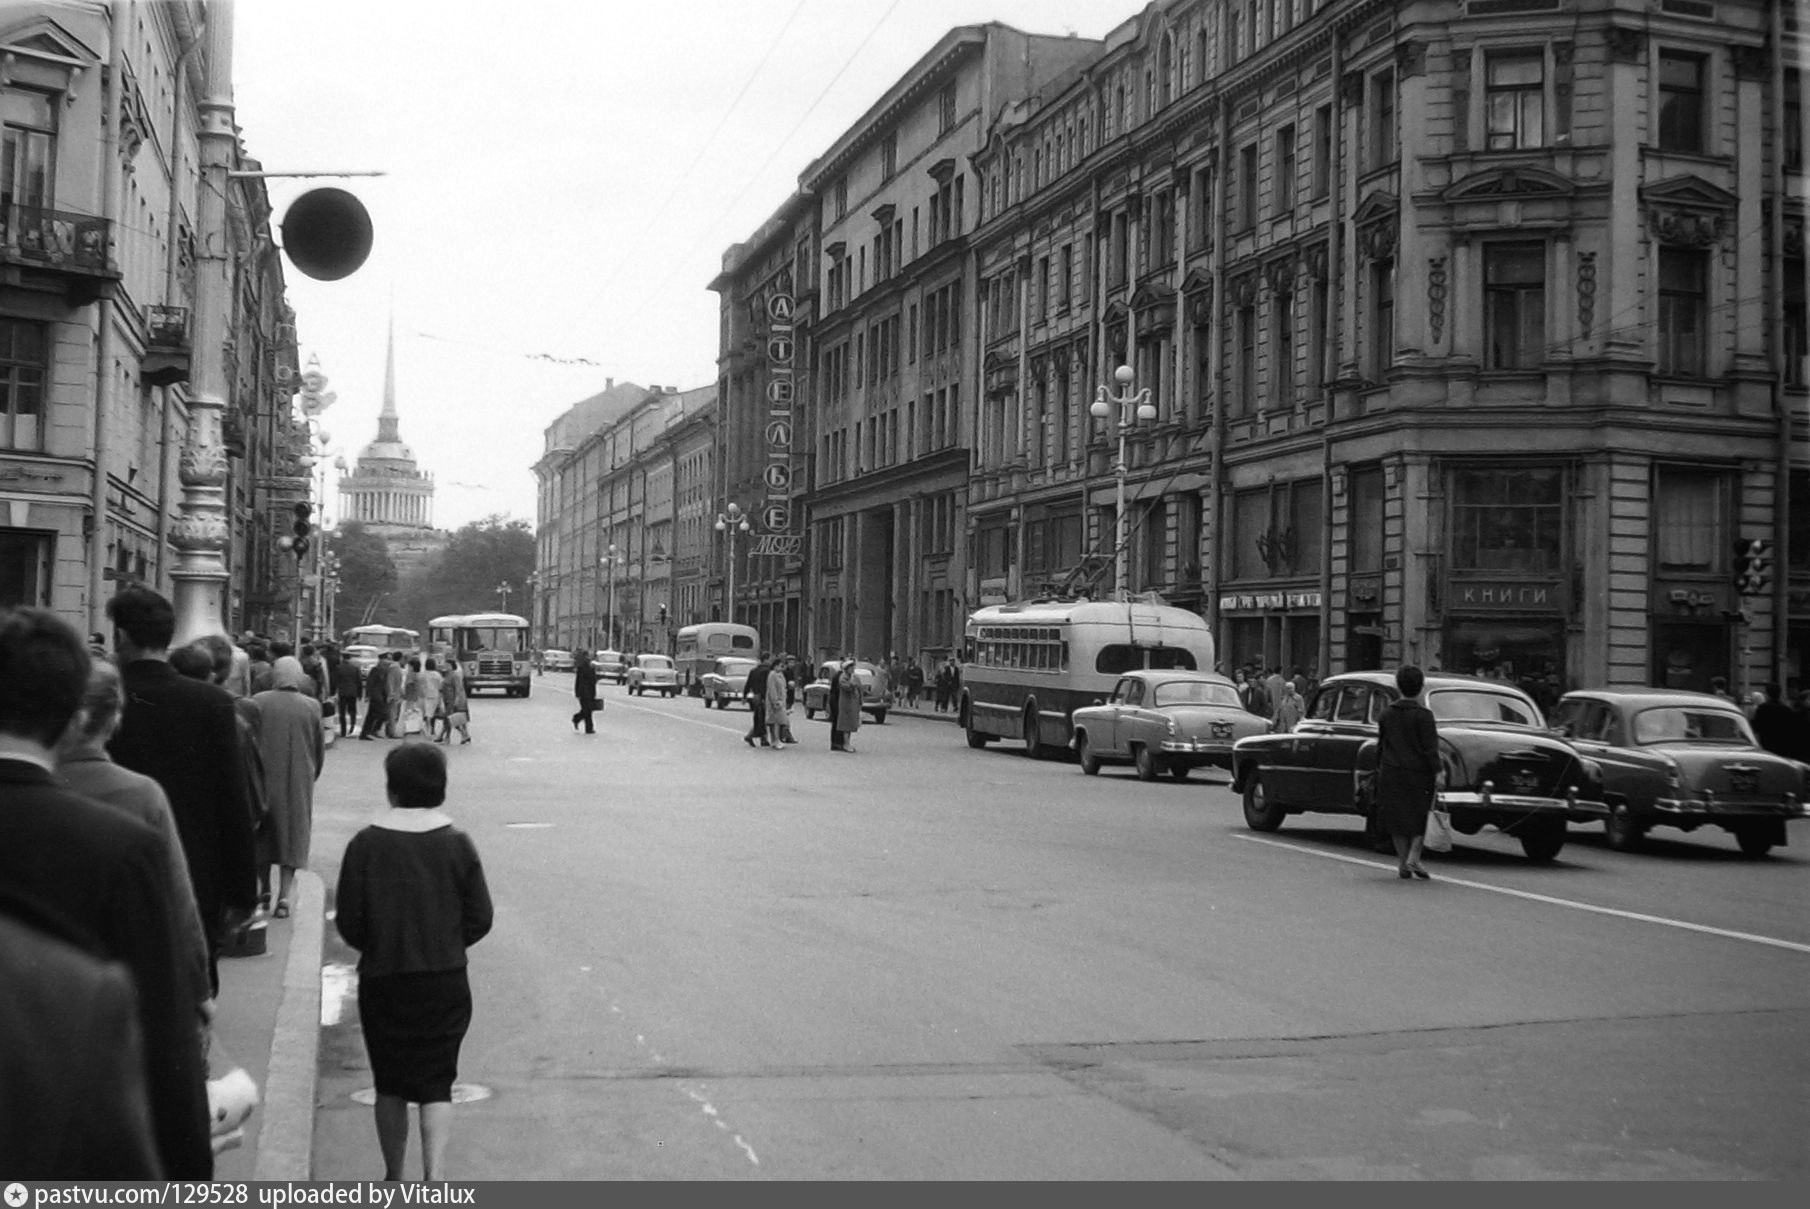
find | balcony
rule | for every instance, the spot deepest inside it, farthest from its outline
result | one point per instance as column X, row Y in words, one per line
column 166, row 359
column 51, row 249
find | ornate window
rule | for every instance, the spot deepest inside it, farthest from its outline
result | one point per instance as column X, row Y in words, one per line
column 1515, row 99
column 1681, row 101
column 1683, row 311
column 1514, row 305
column 24, row 368
column 1508, row 519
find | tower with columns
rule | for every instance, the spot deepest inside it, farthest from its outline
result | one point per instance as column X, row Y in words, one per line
column 387, row 491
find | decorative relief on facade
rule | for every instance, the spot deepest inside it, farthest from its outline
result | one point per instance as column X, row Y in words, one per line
column 1376, row 220
column 1411, row 59
column 1315, row 261
column 203, row 464
column 1751, row 62
column 198, row 531
column 1280, row 273
column 1586, row 291
column 1508, row 183
column 1436, row 294
column 1200, row 305
column 1687, row 212
column 1682, row 228
column 1624, row 45
column 1242, row 290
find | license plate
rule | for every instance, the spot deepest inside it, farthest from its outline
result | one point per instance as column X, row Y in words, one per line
column 1744, row 781
column 1222, row 730
column 1524, row 781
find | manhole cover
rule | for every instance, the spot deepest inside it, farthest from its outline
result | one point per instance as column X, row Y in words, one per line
column 462, row 1093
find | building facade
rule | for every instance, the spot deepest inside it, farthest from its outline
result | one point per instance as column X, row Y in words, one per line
column 1475, row 334
column 98, row 206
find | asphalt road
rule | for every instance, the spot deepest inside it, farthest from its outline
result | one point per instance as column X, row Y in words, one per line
column 920, row 961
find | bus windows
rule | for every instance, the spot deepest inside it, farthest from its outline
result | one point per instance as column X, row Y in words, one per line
column 1117, row 658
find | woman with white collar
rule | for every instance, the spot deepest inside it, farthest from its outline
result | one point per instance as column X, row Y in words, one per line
column 411, row 899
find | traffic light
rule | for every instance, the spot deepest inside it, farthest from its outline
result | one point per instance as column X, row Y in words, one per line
column 302, row 528
column 1753, row 565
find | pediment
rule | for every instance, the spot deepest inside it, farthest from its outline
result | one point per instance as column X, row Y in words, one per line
column 1496, row 183
column 1116, row 312
column 1375, row 208
column 1691, row 191
column 45, row 39
column 1149, row 295
column 1197, row 279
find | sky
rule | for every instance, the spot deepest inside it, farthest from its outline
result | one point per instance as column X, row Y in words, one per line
column 561, row 179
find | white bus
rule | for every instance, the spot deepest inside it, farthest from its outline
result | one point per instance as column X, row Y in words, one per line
column 491, row 648
column 385, row 638
column 1027, row 667
column 700, row 646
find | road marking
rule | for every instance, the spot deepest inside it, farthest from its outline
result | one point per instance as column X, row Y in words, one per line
column 660, row 713
column 1663, row 921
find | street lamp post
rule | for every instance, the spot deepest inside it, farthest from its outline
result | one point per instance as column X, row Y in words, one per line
column 1131, row 406
column 731, row 521
column 609, row 562
column 502, row 590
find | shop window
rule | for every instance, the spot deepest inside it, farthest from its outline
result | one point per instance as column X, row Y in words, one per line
column 1514, row 304
column 1683, row 311
column 1515, row 99
column 1525, row 652
column 23, row 370
column 1681, row 101
column 25, row 561
column 1508, row 520
column 1689, row 519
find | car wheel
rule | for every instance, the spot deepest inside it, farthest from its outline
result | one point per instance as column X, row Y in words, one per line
column 1147, row 763
column 880, row 717
column 1090, row 762
column 1624, row 831
column 1755, row 842
column 1259, row 815
column 1542, row 842
column 1178, row 770
column 1033, row 743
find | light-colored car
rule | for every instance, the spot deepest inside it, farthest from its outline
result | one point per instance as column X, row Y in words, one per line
column 653, row 674
column 556, row 660
column 1165, row 721
column 817, row 692
column 724, row 682
column 362, row 657
column 610, row 665
column 1679, row 759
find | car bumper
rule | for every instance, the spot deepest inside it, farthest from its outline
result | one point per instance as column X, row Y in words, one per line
column 1488, row 801
column 1211, row 749
column 1727, row 808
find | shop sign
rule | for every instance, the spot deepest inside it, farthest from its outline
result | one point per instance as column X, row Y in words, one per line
column 1269, row 600
column 1547, row 597
column 782, row 347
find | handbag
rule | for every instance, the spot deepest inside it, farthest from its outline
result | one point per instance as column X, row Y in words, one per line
column 1439, row 831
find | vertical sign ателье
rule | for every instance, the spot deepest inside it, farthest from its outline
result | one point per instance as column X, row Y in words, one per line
column 776, row 513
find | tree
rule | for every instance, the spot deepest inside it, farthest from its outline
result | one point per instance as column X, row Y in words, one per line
column 464, row 577
column 365, row 572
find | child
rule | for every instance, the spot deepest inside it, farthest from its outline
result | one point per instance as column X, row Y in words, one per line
column 411, row 900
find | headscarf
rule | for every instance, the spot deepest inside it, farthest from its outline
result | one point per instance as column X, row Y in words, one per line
column 287, row 673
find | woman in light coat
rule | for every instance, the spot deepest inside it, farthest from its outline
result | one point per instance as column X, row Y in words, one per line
column 848, row 705
column 289, row 742
column 779, row 724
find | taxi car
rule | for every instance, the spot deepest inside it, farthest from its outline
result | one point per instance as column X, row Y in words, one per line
column 1167, row 720
column 817, row 692
column 610, row 665
column 556, row 660
column 1680, row 759
column 1501, row 766
column 725, row 680
column 653, row 674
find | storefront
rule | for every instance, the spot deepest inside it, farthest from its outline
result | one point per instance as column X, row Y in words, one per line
column 1691, row 639
column 1509, row 630
column 1271, row 629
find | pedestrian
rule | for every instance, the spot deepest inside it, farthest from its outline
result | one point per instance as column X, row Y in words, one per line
column 347, row 683
column 848, row 703
column 777, row 716
column 396, row 693
column 832, row 706
column 455, row 707
column 1407, row 770
column 791, row 677
column 1272, row 688
column 220, row 671
column 103, row 873
column 289, row 742
column 377, row 698
column 412, row 899
column 316, row 671
column 257, row 671
column 887, row 684
column 1718, row 687
column 184, row 734
column 584, row 687
column 1779, row 729
column 754, row 692
column 914, row 683
column 1288, row 710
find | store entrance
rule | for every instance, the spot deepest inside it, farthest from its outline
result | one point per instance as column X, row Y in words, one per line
column 1525, row 652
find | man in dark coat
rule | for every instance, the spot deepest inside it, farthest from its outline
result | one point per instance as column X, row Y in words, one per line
column 1779, row 728
column 755, row 692
column 102, row 872
column 584, row 687
column 346, row 685
column 377, row 698
column 184, row 734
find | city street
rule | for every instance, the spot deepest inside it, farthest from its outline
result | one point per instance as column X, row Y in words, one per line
column 922, row 961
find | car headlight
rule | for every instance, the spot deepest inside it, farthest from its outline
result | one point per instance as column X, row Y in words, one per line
column 1174, row 730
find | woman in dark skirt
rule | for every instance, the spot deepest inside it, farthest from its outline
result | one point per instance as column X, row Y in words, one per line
column 411, row 900
column 1407, row 771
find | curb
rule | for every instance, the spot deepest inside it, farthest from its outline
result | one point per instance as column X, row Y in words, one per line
column 286, row 1137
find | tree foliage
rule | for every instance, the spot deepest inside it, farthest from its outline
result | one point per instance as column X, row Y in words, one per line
column 365, row 572
column 463, row 578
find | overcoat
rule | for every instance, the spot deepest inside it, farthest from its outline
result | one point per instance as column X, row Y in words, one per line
column 289, row 741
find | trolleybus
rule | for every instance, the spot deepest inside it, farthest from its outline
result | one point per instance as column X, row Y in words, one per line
column 1027, row 667
column 491, row 648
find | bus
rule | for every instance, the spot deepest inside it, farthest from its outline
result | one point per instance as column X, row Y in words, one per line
column 491, row 649
column 1027, row 667
column 700, row 646
column 385, row 638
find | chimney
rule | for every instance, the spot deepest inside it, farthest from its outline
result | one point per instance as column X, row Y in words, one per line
column 609, row 384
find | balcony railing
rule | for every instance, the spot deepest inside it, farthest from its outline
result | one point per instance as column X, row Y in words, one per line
column 167, row 327
column 53, row 239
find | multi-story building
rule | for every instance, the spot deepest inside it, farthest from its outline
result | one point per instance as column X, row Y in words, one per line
column 99, row 188
column 1475, row 332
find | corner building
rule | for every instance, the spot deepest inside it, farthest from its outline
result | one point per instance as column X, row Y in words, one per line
column 1476, row 334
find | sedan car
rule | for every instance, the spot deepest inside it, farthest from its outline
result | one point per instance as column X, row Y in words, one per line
column 725, row 680
column 653, row 674
column 610, row 665
column 1165, row 721
column 817, row 692
column 1501, row 766
column 1678, row 759
column 556, row 660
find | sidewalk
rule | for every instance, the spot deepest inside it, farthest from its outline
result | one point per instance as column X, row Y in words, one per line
column 922, row 710
column 269, row 1023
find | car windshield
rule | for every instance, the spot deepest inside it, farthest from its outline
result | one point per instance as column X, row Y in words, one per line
column 655, row 662
column 1195, row 692
column 1481, row 705
column 1679, row 724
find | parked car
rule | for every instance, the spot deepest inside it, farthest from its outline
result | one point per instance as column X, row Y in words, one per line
column 556, row 660
column 362, row 657
column 725, row 680
column 817, row 692
column 1501, row 766
column 1685, row 760
column 1164, row 721
column 653, row 674
column 610, row 665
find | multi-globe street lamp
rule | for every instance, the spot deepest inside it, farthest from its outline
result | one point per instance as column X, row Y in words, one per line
column 502, row 590
column 607, row 564
column 731, row 521
column 1131, row 406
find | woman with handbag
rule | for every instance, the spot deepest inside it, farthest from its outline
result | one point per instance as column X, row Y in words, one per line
column 1407, row 771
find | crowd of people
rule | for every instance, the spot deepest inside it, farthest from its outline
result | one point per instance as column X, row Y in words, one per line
column 150, row 794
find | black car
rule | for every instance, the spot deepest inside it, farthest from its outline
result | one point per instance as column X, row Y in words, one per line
column 1502, row 767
